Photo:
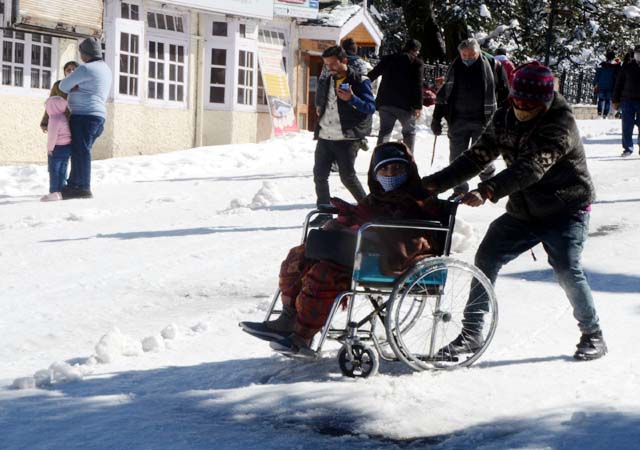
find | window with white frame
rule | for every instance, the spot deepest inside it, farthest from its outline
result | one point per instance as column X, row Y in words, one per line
column 129, row 11
column 129, row 71
column 217, row 82
column 262, row 93
column 168, row 22
column 246, row 74
column 27, row 59
column 167, row 71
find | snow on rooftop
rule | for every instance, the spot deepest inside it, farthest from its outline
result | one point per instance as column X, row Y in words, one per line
column 335, row 16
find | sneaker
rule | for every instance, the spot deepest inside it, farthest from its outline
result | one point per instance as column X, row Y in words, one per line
column 292, row 345
column 626, row 153
column 273, row 329
column 466, row 342
column 53, row 197
column 320, row 220
column 591, row 346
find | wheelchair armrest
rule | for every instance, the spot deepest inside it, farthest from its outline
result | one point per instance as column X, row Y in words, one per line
column 430, row 224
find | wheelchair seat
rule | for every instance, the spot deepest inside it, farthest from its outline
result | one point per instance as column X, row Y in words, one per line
column 367, row 271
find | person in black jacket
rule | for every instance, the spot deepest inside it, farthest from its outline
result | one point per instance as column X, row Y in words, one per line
column 550, row 194
column 400, row 93
column 604, row 82
column 474, row 86
column 345, row 104
column 626, row 96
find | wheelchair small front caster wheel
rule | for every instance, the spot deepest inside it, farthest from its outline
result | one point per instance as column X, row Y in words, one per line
column 361, row 362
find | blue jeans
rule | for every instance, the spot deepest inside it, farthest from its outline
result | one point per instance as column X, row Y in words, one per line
column 563, row 240
column 58, row 162
column 604, row 102
column 84, row 132
column 630, row 117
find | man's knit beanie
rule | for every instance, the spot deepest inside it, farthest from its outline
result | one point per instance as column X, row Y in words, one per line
column 533, row 82
column 91, row 47
column 388, row 153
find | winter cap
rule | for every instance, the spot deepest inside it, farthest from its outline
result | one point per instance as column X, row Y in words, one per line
column 388, row 153
column 534, row 83
column 91, row 47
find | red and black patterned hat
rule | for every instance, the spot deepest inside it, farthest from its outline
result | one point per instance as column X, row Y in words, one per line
column 533, row 82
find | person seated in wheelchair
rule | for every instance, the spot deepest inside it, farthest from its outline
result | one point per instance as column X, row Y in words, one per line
column 309, row 283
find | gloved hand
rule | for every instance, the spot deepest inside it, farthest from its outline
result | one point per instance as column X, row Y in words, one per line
column 436, row 127
column 430, row 186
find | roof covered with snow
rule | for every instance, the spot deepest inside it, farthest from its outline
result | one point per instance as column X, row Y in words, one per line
column 334, row 16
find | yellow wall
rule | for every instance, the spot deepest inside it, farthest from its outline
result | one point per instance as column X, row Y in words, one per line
column 235, row 127
column 21, row 139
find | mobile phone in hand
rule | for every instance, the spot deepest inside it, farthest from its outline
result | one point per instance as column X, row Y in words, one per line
column 344, row 87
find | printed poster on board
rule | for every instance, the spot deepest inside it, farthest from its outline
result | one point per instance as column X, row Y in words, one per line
column 276, row 87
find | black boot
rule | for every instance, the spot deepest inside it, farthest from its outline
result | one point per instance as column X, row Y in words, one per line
column 591, row 346
column 466, row 342
column 273, row 329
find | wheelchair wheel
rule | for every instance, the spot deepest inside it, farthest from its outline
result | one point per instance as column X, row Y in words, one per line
column 442, row 315
column 361, row 361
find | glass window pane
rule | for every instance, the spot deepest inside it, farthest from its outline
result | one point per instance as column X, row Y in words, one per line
column 133, row 86
column 160, row 91
column 152, row 69
column 134, row 65
column 152, row 49
column 124, row 42
column 180, row 96
column 7, row 51
column 134, row 43
column 124, row 64
column 160, row 50
column 35, row 37
column 218, row 57
column 172, row 52
column 161, row 24
column 46, row 39
column 135, row 13
column 35, row 55
column 219, row 29
column 124, row 10
column 181, row 74
column 8, row 33
column 17, row 76
column 172, row 92
column 216, row 94
column 180, row 53
column 217, row 75
column 151, row 19
column 172, row 72
column 242, row 58
column 46, row 79
column 6, row 75
column 170, row 24
column 151, row 90
column 46, row 56
column 35, row 78
column 20, row 35
column 179, row 26
column 19, row 53
column 160, row 71
column 123, row 84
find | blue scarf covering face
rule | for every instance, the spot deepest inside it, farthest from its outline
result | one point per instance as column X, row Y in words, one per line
column 392, row 183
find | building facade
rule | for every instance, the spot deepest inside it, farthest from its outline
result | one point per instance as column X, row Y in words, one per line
column 186, row 72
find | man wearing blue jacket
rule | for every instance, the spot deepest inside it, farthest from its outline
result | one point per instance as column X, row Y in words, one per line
column 345, row 104
column 88, row 88
column 605, row 81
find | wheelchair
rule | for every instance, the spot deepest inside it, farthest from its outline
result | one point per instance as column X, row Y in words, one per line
column 411, row 318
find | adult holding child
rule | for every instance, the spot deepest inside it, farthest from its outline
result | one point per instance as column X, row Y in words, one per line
column 68, row 68
column 87, row 87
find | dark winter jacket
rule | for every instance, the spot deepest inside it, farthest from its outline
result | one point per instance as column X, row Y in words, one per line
column 606, row 74
column 355, row 115
column 401, row 247
column 627, row 83
column 495, row 92
column 401, row 85
column 546, row 174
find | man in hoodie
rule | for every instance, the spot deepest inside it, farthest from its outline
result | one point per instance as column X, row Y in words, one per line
column 88, row 88
column 550, row 194
column 474, row 86
column 604, row 82
column 400, row 94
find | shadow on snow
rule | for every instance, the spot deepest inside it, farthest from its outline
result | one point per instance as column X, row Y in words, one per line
column 602, row 282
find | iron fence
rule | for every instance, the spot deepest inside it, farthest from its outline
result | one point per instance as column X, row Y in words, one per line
column 576, row 85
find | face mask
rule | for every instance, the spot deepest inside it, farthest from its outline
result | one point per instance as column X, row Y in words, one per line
column 392, row 183
column 468, row 62
column 525, row 116
column 636, row 56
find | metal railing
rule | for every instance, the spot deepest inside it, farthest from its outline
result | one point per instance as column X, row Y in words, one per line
column 576, row 85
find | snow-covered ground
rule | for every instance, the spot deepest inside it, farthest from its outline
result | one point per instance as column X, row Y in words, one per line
column 118, row 318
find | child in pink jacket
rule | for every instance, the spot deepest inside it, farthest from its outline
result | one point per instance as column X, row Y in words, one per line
column 58, row 147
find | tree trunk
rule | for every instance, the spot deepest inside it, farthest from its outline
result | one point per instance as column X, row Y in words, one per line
column 421, row 24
